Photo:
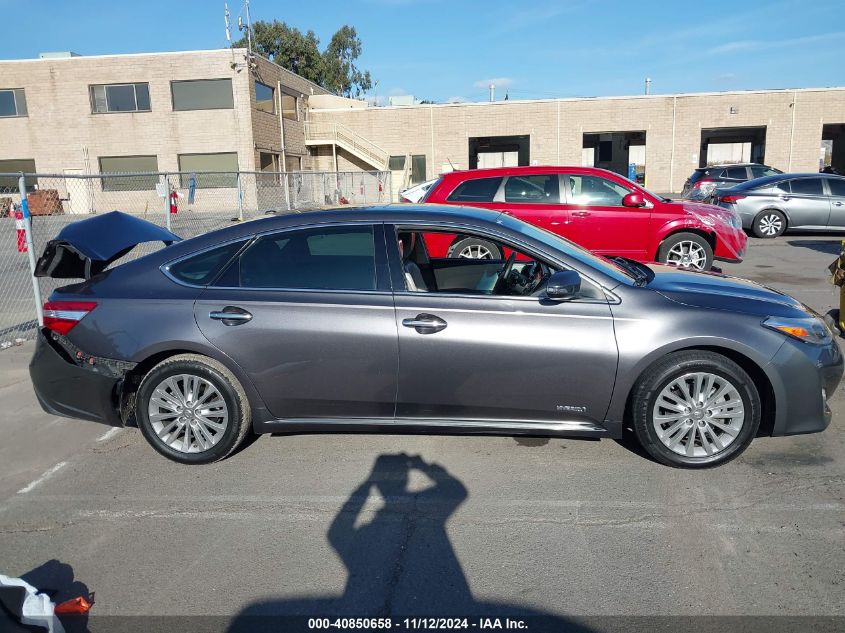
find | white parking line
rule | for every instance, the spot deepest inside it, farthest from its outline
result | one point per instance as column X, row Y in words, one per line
column 109, row 434
column 42, row 478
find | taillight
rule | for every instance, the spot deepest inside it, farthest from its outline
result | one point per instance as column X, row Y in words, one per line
column 704, row 181
column 730, row 199
column 404, row 199
column 62, row 316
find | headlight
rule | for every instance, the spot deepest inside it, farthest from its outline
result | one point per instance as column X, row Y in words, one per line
column 808, row 329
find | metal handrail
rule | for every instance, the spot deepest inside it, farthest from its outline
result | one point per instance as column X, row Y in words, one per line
column 339, row 133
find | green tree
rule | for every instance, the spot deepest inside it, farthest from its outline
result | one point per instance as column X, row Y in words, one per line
column 290, row 48
column 342, row 76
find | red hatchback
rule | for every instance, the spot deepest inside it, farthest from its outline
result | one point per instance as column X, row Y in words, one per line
column 595, row 208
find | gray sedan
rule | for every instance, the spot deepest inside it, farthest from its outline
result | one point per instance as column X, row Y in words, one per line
column 769, row 206
column 340, row 321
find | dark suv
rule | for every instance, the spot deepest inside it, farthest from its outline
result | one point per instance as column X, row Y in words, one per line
column 704, row 180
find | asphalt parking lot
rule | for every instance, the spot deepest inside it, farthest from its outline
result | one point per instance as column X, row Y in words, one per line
column 326, row 525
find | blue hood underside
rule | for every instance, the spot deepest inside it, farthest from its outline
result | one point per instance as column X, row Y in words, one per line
column 87, row 247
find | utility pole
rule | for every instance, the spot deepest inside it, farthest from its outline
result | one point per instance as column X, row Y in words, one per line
column 492, row 92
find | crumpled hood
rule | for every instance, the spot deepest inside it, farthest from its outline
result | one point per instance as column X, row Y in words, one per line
column 85, row 248
column 717, row 291
column 709, row 214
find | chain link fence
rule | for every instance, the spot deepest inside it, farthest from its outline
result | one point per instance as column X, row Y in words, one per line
column 189, row 204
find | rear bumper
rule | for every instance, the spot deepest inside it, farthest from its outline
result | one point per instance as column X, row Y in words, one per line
column 804, row 377
column 70, row 386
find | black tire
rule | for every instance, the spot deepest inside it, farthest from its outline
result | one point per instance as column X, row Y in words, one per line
column 231, row 391
column 470, row 243
column 769, row 224
column 665, row 251
column 663, row 373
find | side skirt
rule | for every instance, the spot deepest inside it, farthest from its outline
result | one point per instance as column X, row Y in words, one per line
column 426, row 426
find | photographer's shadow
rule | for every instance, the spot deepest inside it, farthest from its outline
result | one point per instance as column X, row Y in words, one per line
column 401, row 562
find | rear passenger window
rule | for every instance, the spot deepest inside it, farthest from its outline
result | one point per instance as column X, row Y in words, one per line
column 781, row 187
column 533, row 189
column 201, row 269
column 837, row 187
column 478, row 190
column 808, row 187
column 329, row 258
column 758, row 171
column 736, row 173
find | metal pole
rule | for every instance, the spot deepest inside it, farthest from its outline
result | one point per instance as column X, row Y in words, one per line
column 240, row 199
column 287, row 190
column 166, row 200
column 30, row 250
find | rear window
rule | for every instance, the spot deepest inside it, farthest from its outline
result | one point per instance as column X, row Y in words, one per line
column 478, row 190
column 201, row 269
column 758, row 171
column 533, row 189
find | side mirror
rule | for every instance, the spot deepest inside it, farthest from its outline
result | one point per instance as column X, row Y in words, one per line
column 564, row 284
column 633, row 199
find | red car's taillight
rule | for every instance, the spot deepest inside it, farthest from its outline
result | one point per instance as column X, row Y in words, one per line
column 62, row 316
column 730, row 199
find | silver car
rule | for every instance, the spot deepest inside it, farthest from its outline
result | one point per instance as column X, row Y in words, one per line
column 771, row 205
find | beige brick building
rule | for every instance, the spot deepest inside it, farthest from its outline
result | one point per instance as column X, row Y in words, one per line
column 173, row 109
column 672, row 134
column 215, row 110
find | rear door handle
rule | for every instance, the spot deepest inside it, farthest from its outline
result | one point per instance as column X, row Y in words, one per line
column 425, row 323
column 837, row 204
column 580, row 214
column 231, row 315
column 784, row 197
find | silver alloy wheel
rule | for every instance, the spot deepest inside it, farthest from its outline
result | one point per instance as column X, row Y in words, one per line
column 770, row 225
column 475, row 251
column 698, row 414
column 687, row 254
column 188, row 413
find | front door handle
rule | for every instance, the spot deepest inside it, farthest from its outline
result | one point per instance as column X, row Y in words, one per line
column 837, row 204
column 425, row 323
column 231, row 315
column 784, row 197
column 580, row 214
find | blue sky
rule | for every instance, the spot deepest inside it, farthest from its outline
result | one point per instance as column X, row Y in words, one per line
column 451, row 49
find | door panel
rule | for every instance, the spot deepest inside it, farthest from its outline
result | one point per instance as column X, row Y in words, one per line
column 310, row 353
column 805, row 206
column 505, row 358
column 600, row 223
column 837, row 203
column 452, row 274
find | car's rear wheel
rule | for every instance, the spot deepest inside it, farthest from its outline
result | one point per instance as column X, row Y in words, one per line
column 192, row 409
column 474, row 248
column 769, row 224
column 686, row 250
column 695, row 409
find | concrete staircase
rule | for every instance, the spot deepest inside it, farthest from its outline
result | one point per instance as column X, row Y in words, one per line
column 340, row 136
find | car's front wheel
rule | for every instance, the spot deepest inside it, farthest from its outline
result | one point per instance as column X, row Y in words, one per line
column 768, row 224
column 686, row 250
column 192, row 409
column 695, row 409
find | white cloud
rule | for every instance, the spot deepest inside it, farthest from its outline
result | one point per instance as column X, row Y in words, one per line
column 457, row 99
column 500, row 82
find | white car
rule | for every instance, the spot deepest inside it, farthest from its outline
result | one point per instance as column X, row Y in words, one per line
column 417, row 192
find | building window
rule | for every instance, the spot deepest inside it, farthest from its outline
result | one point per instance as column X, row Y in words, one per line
column 396, row 163
column 289, row 109
column 202, row 94
column 9, row 184
column 221, row 169
column 120, row 98
column 264, row 97
column 12, row 102
column 129, row 165
column 417, row 168
column 293, row 163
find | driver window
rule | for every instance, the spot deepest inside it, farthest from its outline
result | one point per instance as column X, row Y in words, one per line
column 595, row 191
column 472, row 265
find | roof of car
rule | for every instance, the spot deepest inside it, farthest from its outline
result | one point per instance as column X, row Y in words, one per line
column 765, row 180
column 492, row 172
column 724, row 165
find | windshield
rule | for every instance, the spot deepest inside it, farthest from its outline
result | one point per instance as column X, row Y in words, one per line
column 558, row 243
